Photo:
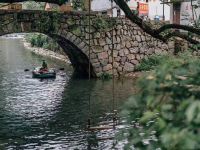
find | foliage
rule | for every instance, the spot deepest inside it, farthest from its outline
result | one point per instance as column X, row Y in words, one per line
column 151, row 62
column 33, row 5
column 78, row 4
column 105, row 76
column 166, row 111
column 43, row 41
column 102, row 24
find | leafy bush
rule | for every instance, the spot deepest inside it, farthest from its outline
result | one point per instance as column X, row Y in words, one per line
column 105, row 76
column 166, row 111
column 43, row 41
column 151, row 62
column 102, row 24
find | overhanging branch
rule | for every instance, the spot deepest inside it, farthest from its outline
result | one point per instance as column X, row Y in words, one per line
column 180, row 35
column 177, row 26
column 156, row 33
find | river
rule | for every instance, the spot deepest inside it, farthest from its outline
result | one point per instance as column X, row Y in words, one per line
column 53, row 114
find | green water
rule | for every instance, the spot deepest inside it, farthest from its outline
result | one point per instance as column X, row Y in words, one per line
column 52, row 114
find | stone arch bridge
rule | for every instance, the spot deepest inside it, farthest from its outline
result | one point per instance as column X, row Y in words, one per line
column 71, row 32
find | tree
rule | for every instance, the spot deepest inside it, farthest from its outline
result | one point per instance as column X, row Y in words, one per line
column 33, row 5
column 78, row 4
column 163, row 33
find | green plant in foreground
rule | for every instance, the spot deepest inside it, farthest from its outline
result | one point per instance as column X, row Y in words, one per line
column 166, row 112
column 105, row 76
column 151, row 62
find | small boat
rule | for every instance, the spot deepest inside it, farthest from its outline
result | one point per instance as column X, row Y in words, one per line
column 43, row 73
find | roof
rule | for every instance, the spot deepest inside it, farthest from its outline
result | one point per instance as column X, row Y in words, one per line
column 55, row 6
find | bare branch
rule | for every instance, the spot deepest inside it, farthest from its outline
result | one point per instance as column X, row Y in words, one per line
column 181, row 35
column 178, row 26
column 156, row 33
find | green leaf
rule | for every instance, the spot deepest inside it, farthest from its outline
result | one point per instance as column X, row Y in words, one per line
column 148, row 115
column 190, row 112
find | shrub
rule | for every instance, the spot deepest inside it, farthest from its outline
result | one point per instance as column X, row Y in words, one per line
column 105, row 76
column 166, row 111
column 152, row 62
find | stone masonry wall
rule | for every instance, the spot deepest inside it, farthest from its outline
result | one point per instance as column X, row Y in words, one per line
column 131, row 45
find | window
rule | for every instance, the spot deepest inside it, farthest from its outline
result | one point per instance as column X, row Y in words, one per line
column 118, row 12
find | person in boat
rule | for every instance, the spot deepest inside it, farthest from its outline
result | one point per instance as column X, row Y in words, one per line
column 44, row 66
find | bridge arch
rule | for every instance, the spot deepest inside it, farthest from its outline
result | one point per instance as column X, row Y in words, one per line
column 72, row 45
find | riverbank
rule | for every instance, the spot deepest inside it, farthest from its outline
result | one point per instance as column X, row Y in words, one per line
column 45, row 52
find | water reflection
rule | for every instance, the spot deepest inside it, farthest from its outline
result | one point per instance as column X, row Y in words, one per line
column 52, row 114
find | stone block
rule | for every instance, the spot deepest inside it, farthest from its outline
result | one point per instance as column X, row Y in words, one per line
column 115, row 64
column 142, row 50
column 94, row 60
column 159, row 44
column 129, row 67
column 143, row 38
column 97, row 35
column 114, row 32
column 96, row 65
column 150, row 51
column 171, row 44
column 126, row 51
column 108, row 40
column 95, row 42
column 131, row 57
column 138, row 38
column 102, row 42
column 103, row 62
column 118, row 47
column 138, row 57
column 142, row 56
column 118, row 58
column 107, row 67
column 98, row 70
column 73, row 38
column 118, row 39
column 93, row 56
column 77, row 41
column 158, row 51
column 121, row 52
column 110, row 60
column 106, row 47
column 97, row 49
column 123, row 59
column 81, row 45
column 119, row 69
column 135, row 44
column 134, row 50
column 85, row 49
column 103, row 55
column 108, row 34
column 139, row 32
column 135, row 62
column 115, row 53
column 118, row 32
column 128, row 44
